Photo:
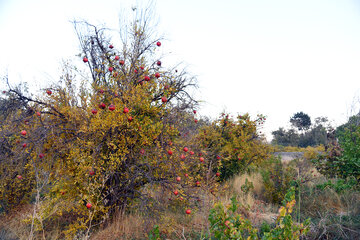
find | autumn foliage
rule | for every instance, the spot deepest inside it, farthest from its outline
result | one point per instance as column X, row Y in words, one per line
column 82, row 150
column 234, row 144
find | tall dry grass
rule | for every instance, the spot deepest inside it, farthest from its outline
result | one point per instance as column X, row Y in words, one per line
column 123, row 226
column 12, row 224
column 256, row 209
column 174, row 224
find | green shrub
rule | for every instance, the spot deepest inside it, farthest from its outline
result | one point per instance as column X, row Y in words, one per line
column 342, row 158
column 247, row 187
column 228, row 224
column 285, row 227
column 277, row 179
column 264, row 228
column 154, row 233
column 339, row 185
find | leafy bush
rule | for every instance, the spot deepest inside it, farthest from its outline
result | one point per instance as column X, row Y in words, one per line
column 285, row 227
column 247, row 187
column 339, row 185
column 349, row 161
column 234, row 145
column 92, row 148
column 276, row 178
column 154, row 233
column 87, row 147
column 228, row 224
column 342, row 158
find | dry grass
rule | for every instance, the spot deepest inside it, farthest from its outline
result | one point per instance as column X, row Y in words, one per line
column 329, row 201
column 169, row 216
column 172, row 221
column 256, row 180
column 255, row 209
column 124, row 226
column 13, row 225
column 334, row 215
column 326, row 206
column 16, row 225
column 174, row 225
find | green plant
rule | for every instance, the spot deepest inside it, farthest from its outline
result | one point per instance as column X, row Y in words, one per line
column 228, row 224
column 339, row 185
column 285, row 227
column 276, row 178
column 349, row 164
column 233, row 144
column 154, row 233
column 264, row 228
column 342, row 158
column 247, row 186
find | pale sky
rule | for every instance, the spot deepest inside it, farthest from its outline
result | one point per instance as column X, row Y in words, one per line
column 259, row 56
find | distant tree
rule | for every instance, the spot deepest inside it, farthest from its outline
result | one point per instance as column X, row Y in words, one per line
column 285, row 137
column 301, row 121
column 322, row 121
column 316, row 134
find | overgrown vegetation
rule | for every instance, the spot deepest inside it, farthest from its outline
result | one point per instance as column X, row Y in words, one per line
column 123, row 154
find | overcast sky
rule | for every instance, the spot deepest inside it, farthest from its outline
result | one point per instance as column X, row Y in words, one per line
column 258, row 56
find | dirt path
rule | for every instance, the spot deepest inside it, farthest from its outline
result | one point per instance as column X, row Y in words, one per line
column 288, row 156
